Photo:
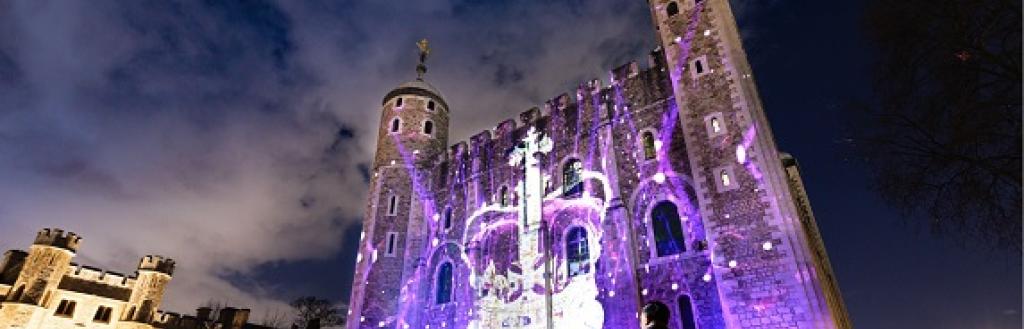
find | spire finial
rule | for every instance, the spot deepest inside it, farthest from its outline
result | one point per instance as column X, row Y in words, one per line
column 421, row 68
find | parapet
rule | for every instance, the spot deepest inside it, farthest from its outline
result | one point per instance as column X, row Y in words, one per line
column 53, row 237
column 157, row 264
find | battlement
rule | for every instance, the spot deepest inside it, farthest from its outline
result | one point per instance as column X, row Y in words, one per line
column 54, row 237
column 97, row 275
column 157, row 263
column 592, row 101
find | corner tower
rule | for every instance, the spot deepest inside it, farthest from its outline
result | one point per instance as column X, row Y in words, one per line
column 153, row 275
column 764, row 265
column 48, row 259
column 412, row 135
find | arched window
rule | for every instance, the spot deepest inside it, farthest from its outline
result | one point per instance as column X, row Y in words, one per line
column 444, row 283
column 686, row 312
column 395, row 123
column 398, row 102
column 673, row 9
column 716, row 126
column 428, row 127
column 447, row 218
column 572, row 184
column 430, row 105
column 668, row 229
column 648, row 140
column 577, row 252
column 503, row 196
column 725, row 178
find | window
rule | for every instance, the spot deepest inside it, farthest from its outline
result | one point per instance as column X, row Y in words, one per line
column 395, row 125
column 102, row 314
column 673, row 9
column 444, row 283
column 572, row 183
column 715, row 125
column 66, row 308
column 392, row 243
column 16, row 296
column 577, row 252
column 699, row 66
column 668, row 229
column 428, row 127
column 725, row 178
column 398, row 102
column 430, row 105
column 393, row 205
column 503, row 196
column 648, row 141
column 131, row 314
column 686, row 312
column 447, row 218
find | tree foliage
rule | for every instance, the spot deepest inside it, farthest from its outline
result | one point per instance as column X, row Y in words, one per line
column 943, row 133
column 309, row 308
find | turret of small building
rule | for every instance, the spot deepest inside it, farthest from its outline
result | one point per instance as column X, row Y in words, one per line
column 153, row 275
column 37, row 278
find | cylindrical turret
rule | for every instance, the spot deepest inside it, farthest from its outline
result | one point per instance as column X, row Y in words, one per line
column 153, row 275
column 47, row 260
column 413, row 125
column 412, row 136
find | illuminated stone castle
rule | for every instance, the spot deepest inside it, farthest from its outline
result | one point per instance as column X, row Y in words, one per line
column 664, row 185
column 42, row 288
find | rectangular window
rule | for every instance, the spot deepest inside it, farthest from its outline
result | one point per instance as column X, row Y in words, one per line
column 66, row 308
column 393, row 205
column 391, row 244
column 102, row 314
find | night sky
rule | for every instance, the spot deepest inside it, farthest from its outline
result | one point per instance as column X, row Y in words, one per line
column 235, row 136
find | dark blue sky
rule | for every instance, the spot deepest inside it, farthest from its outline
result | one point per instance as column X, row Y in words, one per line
column 230, row 135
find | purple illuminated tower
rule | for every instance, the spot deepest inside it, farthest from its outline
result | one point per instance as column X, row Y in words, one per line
column 665, row 185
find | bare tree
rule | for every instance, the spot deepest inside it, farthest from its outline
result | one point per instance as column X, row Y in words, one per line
column 275, row 319
column 311, row 308
column 943, row 133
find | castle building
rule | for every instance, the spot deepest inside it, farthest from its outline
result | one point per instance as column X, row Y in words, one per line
column 665, row 185
column 43, row 289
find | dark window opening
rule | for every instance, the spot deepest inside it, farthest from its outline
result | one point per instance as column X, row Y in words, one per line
column 668, row 229
column 503, row 196
column 686, row 312
column 391, row 243
column 649, row 148
column 428, row 128
column 444, row 283
column 102, row 314
column 673, row 9
column 394, row 125
column 572, row 182
column 393, row 205
column 398, row 102
column 698, row 66
column 577, row 252
column 448, row 218
column 430, row 105
column 66, row 308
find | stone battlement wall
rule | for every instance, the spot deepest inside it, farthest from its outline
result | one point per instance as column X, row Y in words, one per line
column 510, row 129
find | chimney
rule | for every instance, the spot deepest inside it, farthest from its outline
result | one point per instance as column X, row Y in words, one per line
column 203, row 313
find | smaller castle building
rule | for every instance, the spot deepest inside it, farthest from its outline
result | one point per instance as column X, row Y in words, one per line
column 42, row 288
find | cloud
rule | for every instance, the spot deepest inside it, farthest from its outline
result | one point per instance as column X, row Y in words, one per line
column 229, row 135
